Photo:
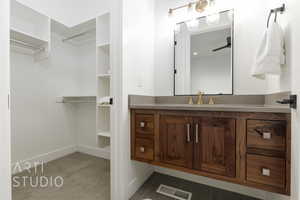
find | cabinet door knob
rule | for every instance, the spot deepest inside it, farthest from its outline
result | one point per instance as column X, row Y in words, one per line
column 267, row 135
column 266, row 172
column 142, row 124
column 142, row 149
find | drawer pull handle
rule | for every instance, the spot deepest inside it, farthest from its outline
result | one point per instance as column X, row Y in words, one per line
column 142, row 149
column 142, row 124
column 188, row 135
column 266, row 172
column 197, row 134
column 267, row 135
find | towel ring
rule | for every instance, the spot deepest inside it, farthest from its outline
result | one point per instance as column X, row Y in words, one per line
column 275, row 19
column 276, row 10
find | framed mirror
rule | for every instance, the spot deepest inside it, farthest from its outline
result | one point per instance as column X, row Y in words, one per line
column 204, row 55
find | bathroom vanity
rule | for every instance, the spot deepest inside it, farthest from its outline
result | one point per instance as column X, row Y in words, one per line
column 242, row 144
column 244, row 139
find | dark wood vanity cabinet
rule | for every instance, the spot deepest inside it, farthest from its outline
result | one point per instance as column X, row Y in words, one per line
column 251, row 149
column 176, row 140
column 214, row 149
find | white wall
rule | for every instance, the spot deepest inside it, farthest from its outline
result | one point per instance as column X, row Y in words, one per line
column 39, row 124
column 137, row 69
column 139, row 45
column 283, row 82
column 69, row 12
column 85, row 114
column 5, row 172
column 250, row 21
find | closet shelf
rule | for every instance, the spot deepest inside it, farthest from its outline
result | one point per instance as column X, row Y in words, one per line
column 105, row 44
column 21, row 39
column 105, row 48
column 76, row 99
column 104, row 75
column 104, row 134
column 105, row 148
column 103, row 105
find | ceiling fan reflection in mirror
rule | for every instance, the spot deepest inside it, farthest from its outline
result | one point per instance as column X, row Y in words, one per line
column 228, row 45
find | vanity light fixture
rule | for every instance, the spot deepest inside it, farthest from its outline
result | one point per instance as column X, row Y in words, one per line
column 200, row 6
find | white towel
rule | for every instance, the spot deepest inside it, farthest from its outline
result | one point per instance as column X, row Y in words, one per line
column 271, row 54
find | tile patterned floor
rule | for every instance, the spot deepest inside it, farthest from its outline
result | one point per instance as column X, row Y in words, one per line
column 200, row 192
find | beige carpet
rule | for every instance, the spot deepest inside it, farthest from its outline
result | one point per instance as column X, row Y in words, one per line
column 85, row 178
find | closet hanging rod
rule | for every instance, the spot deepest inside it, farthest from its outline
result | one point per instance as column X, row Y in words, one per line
column 25, row 44
column 78, row 102
column 78, row 35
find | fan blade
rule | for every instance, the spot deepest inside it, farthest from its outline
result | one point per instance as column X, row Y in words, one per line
column 221, row 48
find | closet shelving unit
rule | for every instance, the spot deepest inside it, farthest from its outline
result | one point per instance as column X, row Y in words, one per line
column 30, row 31
column 98, row 29
column 77, row 36
column 104, row 78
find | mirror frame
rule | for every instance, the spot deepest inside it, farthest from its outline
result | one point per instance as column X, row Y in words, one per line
column 232, row 57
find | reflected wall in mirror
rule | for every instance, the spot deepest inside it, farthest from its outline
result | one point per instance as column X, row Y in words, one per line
column 204, row 55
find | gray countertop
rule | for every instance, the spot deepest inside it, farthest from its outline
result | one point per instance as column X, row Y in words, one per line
column 217, row 107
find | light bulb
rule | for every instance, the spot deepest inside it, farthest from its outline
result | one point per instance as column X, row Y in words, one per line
column 201, row 5
column 213, row 18
column 230, row 15
column 177, row 28
column 192, row 23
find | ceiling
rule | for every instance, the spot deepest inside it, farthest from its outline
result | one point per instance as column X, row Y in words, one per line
column 69, row 12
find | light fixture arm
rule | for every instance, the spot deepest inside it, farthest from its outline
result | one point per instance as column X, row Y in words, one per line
column 188, row 5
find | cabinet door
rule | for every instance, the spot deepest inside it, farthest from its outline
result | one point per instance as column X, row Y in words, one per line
column 214, row 150
column 176, row 140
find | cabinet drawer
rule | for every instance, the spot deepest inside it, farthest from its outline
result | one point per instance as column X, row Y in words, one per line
column 144, row 124
column 266, row 170
column 144, row 149
column 268, row 135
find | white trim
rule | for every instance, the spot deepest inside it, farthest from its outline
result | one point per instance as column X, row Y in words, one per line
column 97, row 152
column 5, row 131
column 43, row 158
column 118, row 178
column 136, row 183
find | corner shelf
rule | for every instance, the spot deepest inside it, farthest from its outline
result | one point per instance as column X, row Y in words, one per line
column 103, row 105
column 103, row 45
column 104, row 75
column 105, row 149
column 104, row 134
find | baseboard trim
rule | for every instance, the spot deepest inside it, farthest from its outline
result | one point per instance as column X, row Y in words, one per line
column 136, row 183
column 20, row 166
column 97, row 152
